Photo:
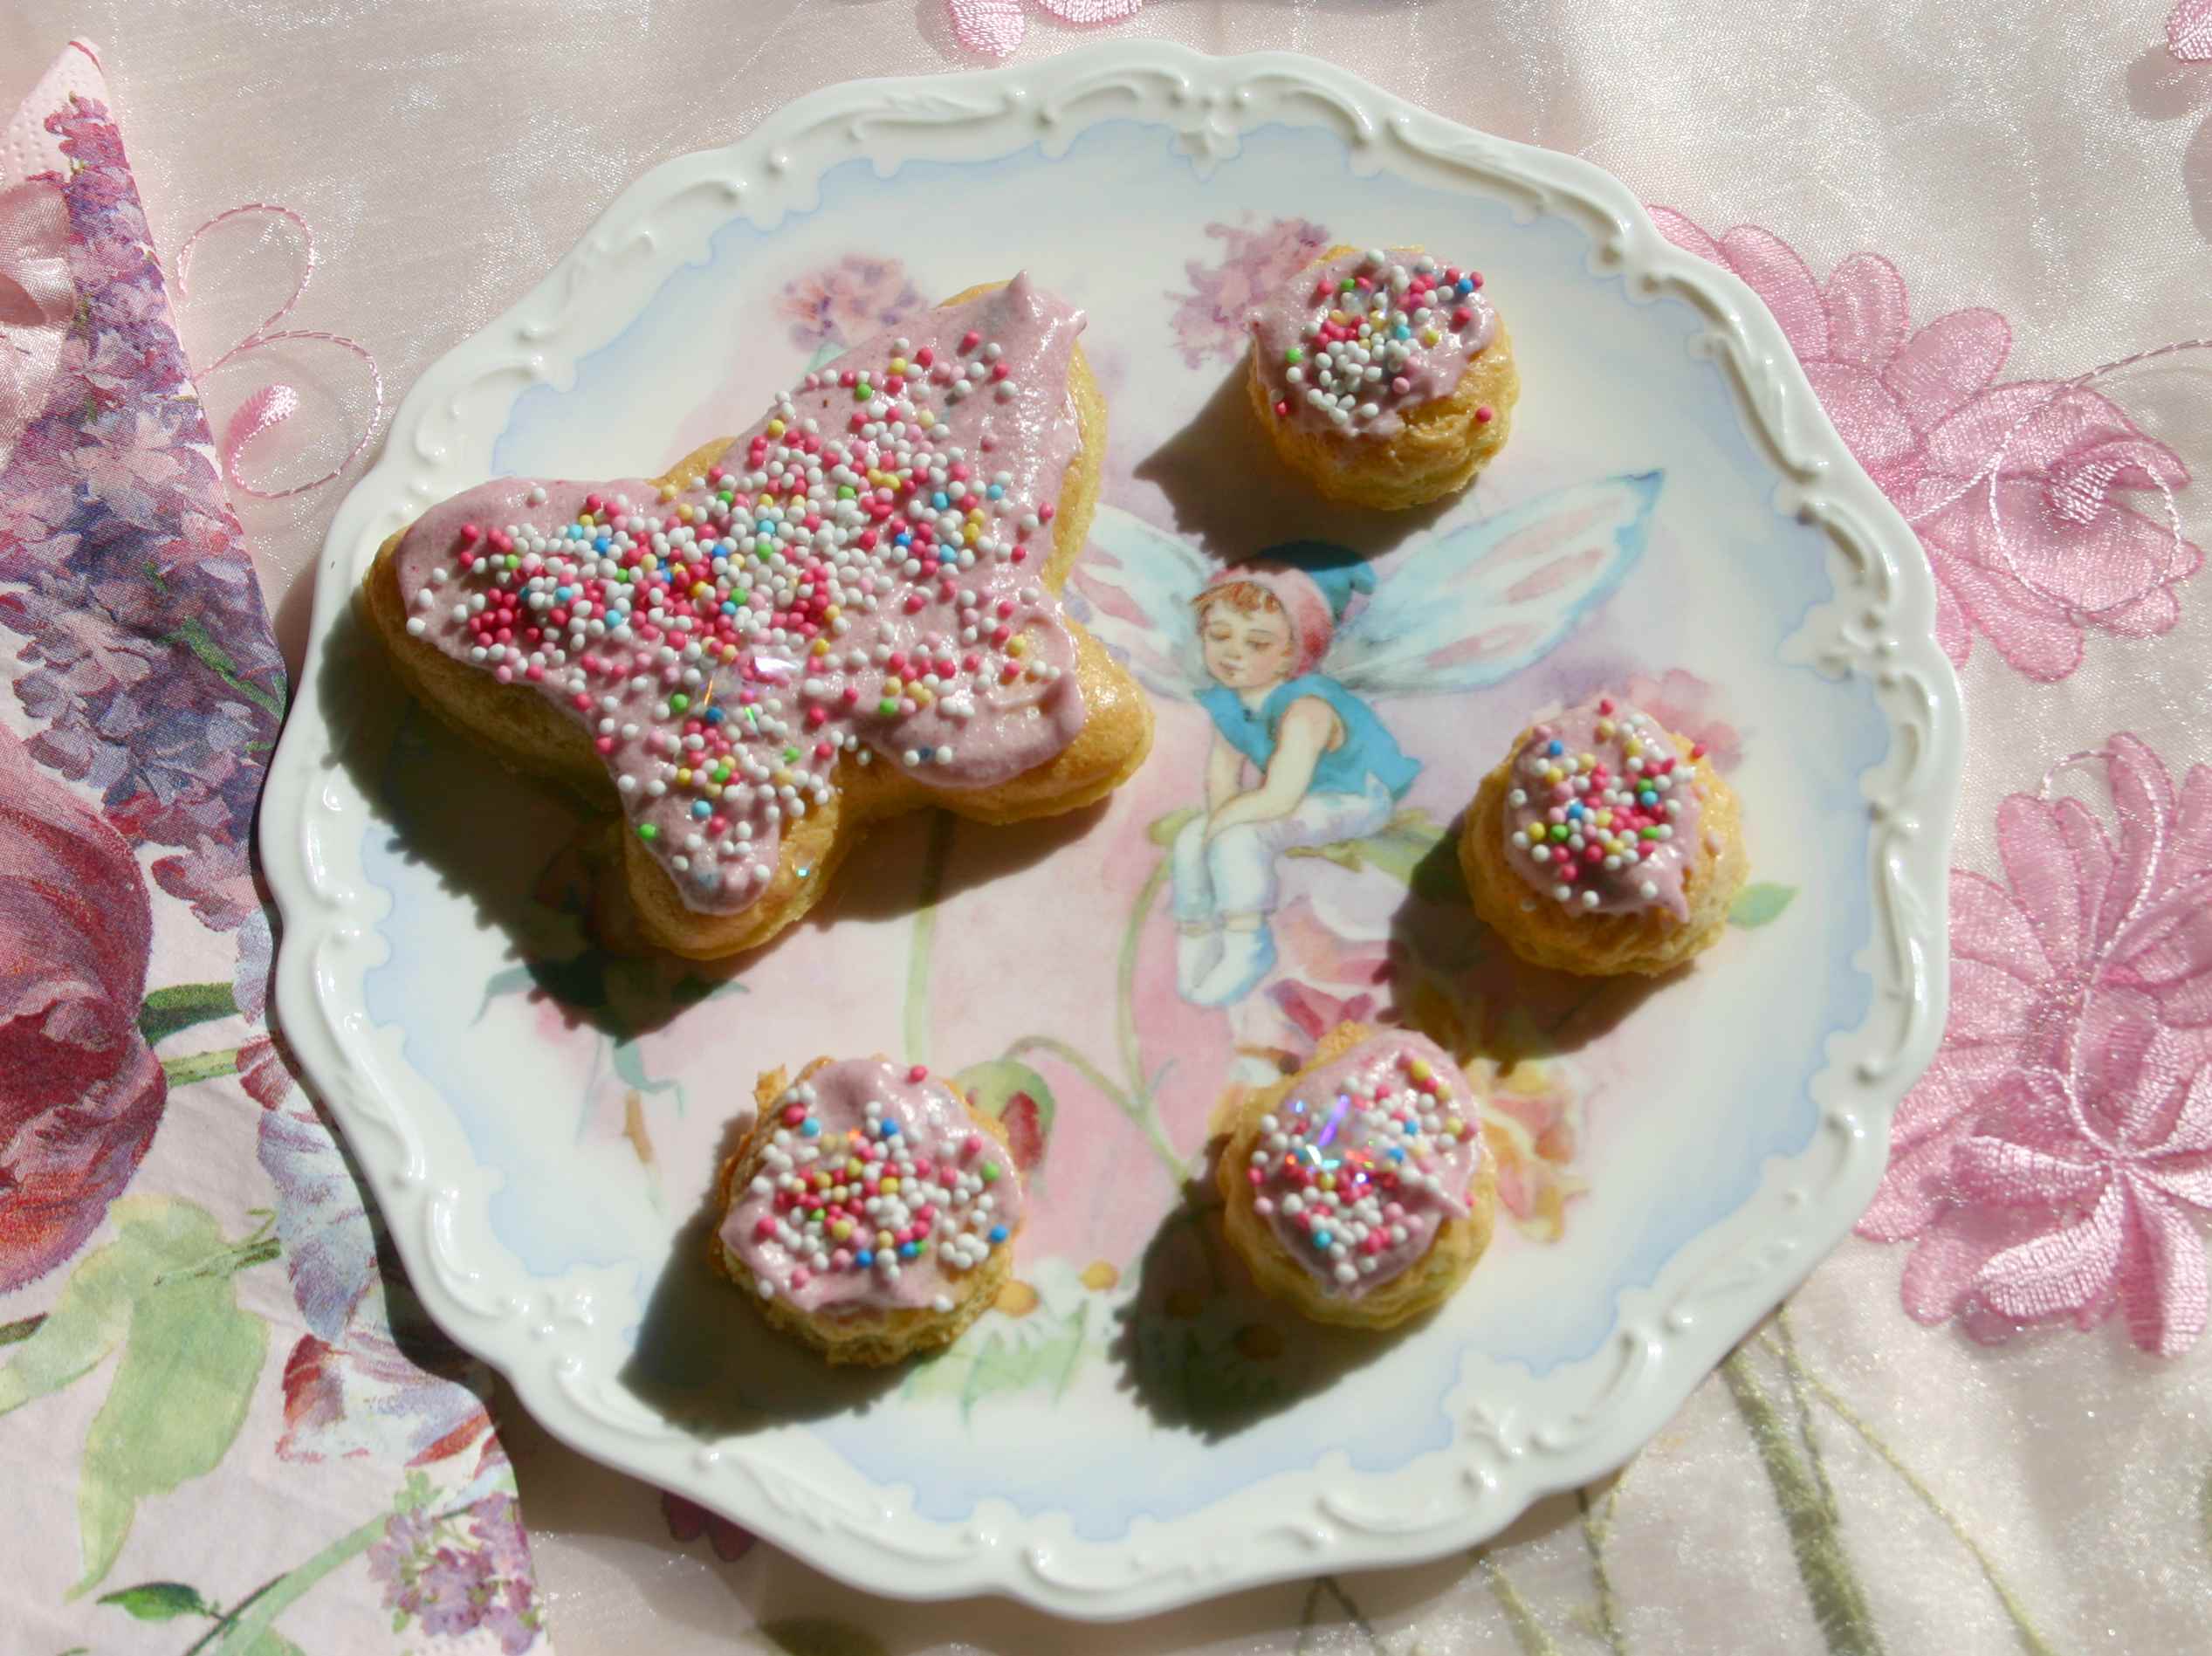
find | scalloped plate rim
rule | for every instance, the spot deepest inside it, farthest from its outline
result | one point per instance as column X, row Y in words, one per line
column 1145, row 1571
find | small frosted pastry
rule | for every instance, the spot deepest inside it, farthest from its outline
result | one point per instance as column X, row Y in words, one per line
column 850, row 612
column 1384, row 378
column 1359, row 1189
column 1605, row 843
column 864, row 1285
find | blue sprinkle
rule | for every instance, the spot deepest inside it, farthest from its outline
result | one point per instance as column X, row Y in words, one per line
column 890, row 1130
column 715, row 715
column 561, row 595
column 908, row 1250
column 1465, row 284
column 603, row 544
column 1647, row 798
column 1405, row 1127
column 996, row 492
column 1402, row 332
column 701, row 810
column 1554, row 748
column 1398, row 1151
column 940, row 500
column 810, row 1127
column 865, row 1258
column 903, row 540
column 1323, row 1238
column 997, row 1233
column 1575, row 811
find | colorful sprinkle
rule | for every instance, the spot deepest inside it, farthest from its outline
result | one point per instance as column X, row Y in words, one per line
column 1355, row 1186
column 725, row 640
column 1378, row 333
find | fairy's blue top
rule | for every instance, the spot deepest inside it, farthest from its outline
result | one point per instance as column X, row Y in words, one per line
column 1369, row 748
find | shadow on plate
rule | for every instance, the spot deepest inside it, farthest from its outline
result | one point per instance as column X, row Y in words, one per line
column 1202, row 1347
column 1232, row 497
column 707, row 1362
column 533, row 861
column 1434, row 932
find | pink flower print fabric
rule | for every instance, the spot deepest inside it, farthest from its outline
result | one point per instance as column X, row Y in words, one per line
column 2038, row 503
column 2051, row 1164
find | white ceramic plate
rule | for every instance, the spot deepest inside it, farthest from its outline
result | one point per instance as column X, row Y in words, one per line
column 1133, row 1429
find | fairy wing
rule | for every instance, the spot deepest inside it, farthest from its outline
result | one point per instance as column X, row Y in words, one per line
column 1483, row 602
column 1135, row 584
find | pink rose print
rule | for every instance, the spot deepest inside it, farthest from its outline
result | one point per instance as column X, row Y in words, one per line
column 2014, row 488
column 995, row 27
column 1209, row 319
column 80, row 1092
column 2045, row 1164
column 842, row 304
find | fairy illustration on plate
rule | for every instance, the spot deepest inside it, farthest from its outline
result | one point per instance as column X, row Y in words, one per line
column 1289, row 653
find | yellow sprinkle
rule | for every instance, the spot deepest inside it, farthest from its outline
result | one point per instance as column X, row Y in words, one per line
column 702, row 590
column 820, row 647
column 890, row 1183
column 840, row 1228
column 1018, row 647
column 668, row 491
column 775, row 428
column 921, row 694
column 683, row 779
column 782, row 777
column 830, row 613
column 898, row 364
column 883, row 1238
column 1327, row 1181
column 925, row 419
column 853, row 1168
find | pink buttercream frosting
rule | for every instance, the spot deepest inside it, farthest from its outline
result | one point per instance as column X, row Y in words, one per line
column 1351, row 344
column 1365, row 1159
column 1604, row 812
column 856, row 579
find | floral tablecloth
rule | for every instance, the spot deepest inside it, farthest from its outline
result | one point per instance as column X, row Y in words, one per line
column 1984, row 1423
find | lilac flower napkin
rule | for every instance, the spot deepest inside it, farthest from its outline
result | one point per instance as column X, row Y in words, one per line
column 218, row 1409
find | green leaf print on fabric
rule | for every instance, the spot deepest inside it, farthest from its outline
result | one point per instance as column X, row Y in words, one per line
column 153, row 1234
column 190, row 1361
column 159, row 1601
column 180, row 1005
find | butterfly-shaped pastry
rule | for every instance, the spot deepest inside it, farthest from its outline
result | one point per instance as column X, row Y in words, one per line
column 848, row 612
